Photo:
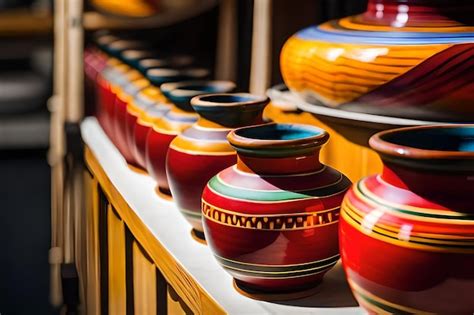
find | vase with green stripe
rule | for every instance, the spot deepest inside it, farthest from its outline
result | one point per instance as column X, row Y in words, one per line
column 271, row 220
column 407, row 235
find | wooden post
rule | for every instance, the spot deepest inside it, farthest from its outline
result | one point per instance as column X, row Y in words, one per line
column 227, row 41
column 261, row 47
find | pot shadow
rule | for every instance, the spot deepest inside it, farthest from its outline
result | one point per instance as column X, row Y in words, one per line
column 333, row 291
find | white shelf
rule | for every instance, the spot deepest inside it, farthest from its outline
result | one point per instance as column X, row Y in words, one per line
column 170, row 228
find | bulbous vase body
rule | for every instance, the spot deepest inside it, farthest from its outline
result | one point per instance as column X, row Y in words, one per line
column 401, row 58
column 271, row 220
column 146, row 107
column 125, row 94
column 202, row 151
column 407, row 235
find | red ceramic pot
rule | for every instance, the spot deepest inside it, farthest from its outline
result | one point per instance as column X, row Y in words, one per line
column 164, row 130
column 144, row 126
column 271, row 220
column 407, row 235
column 148, row 97
column 105, row 96
column 125, row 94
column 202, row 151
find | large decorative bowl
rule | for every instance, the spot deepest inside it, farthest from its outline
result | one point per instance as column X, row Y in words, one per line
column 407, row 235
column 401, row 58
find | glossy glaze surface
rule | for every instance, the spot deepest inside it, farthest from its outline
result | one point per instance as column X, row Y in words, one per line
column 271, row 220
column 410, row 58
column 407, row 235
column 146, row 107
column 202, row 151
column 125, row 94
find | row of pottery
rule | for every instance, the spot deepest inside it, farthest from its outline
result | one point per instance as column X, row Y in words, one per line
column 272, row 215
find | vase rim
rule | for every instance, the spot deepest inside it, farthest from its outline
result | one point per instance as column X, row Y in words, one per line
column 387, row 143
column 277, row 136
column 197, row 87
column 228, row 100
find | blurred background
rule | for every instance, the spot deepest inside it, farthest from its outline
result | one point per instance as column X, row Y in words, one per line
column 26, row 68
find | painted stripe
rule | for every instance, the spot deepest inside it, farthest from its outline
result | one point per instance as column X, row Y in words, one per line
column 364, row 193
column 349, row 218
column 282, row 222
column 224, row 189
column 279, row 271
column 388, row 306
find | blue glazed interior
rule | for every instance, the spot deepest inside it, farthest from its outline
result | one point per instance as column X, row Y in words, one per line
column 227, row 99
column 460, row 139
column 280, row 132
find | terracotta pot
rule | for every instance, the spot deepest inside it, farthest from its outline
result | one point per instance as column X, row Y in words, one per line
column 401, row 58
column 271, row 220
column 407, row 235
column 179, row 118
column 202, row 151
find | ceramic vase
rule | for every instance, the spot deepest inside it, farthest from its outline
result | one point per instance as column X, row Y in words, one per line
column 271, row 220
column 401, row 58
column 108, row 81
column 407, row 235
column 143, row 126
column 202, row 151
column 180, row 117
column 125, row 93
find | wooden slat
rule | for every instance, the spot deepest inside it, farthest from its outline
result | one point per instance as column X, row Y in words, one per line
column 116, row 248
column 144, row 282
column 92, row 241
column 194, row 296
column 261, row 47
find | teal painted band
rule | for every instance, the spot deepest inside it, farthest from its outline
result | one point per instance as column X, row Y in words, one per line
column 248, row 194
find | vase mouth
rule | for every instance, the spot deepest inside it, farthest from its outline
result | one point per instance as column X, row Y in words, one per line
column 435, row 142
column 159, row 76
column 228, row 100
column 281, row 139
column 136, row 54
column 189, row 89
column 156, row 62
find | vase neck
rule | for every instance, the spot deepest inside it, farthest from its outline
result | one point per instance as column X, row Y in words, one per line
column 306, row 163
column 230, row 110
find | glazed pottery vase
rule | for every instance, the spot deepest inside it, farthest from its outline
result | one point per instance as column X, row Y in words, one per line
column 143, row 126
column 173, row 62
column 125, row 93
column 202, row 151
column 407, row 235
column 271, row 220
column 401, row 58
column 108, row 81
column 180, row 117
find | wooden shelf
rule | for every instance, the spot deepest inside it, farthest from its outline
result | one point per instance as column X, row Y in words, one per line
column 25, row 22
column 94, row 20
column 187, row 265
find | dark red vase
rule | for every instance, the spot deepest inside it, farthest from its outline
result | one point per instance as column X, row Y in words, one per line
column 407, row 235
column 271, row 220
column 202, row 151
